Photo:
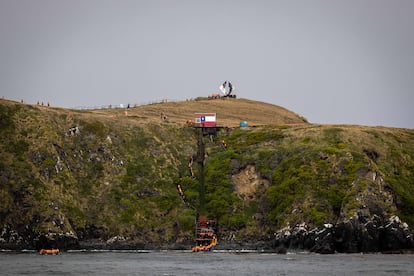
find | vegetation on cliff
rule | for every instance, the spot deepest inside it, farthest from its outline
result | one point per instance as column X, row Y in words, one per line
column 101, row 174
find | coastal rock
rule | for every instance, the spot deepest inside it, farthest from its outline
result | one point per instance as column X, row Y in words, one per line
column 395, row 235
column 358, row 234
column 62, row 241
column 10, row 239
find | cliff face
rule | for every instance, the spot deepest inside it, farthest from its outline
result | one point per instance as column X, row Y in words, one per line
column 108, row 178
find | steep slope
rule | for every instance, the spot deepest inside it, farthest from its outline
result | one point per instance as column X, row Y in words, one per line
column 82, row 175
column 108, row 178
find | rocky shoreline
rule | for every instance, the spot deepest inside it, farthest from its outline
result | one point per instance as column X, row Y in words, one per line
column 359, row 234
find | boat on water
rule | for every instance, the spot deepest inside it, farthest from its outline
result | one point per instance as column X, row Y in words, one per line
column 52, row 251
column 206, row 238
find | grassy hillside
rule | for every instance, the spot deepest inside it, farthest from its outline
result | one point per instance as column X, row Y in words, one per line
column 314, row 174
column 230, row 112
column 105, row 173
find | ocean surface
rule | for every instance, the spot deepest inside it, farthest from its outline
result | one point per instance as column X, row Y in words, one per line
column 202, row 263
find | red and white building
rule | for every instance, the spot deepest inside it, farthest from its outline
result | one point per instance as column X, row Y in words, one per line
column 204, row 119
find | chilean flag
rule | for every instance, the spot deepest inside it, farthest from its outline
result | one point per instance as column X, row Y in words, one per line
column 206, row 120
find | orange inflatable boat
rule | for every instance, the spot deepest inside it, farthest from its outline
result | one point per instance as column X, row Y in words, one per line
column 52, row 251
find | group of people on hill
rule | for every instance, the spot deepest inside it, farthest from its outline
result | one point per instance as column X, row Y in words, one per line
column 41, row 103
column 38, row 102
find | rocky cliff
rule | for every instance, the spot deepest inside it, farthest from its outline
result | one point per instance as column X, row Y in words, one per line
column 108, row 179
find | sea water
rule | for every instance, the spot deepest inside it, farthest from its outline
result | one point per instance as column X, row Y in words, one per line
column 202, row 263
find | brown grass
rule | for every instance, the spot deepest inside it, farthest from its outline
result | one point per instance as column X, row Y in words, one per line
column 230, row 112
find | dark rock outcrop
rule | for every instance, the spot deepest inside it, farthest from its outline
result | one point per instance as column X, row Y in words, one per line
column 358, row 234
column 27, row 239
column 56, row 240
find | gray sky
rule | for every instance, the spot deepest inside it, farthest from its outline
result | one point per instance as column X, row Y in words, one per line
column 330, row 61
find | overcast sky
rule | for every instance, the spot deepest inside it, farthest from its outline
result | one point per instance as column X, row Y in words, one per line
column 330, row 61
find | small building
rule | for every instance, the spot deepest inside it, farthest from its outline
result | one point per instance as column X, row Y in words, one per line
column 204, row 119
column 243, row 124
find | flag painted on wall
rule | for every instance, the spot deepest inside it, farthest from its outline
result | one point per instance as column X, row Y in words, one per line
column 205, row 119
